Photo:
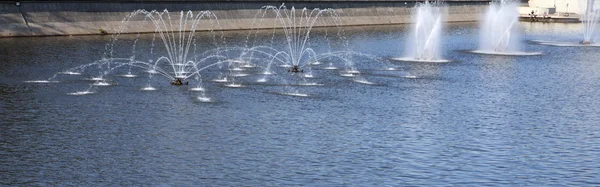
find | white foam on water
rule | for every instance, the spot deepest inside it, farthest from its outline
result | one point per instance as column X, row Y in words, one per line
column 100, row 83
column 308, row 76
column 197, row 89
column 96, row 79
column 261, row 80
column 347, row 75
column 237, row 61
column 236, row 69
column 70, row 73
column 224, row 79
column 234, row 85
column 248, row 65
column 285, row 66
column 240, row 74
column 330, row 68
column 311, row 84
column 410, row 76
column 506, row 53
column 353, row 71
column 128, row 75
column 148, row 88
column 363, row 81
column 410, row 59
column 565, row 44
column 41, row 81
column 81, row 93
column 295, row 94
column 204, row 99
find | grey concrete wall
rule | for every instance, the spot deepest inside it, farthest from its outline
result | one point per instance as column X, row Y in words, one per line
column 47, row 18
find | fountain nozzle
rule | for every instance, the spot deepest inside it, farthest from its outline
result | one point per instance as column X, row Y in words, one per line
column 178, row 82
column 295, row 69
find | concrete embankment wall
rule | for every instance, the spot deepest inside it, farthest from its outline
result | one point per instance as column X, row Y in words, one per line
column 48, row 18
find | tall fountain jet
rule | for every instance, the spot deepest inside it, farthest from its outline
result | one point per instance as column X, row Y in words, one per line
column 499, row 30
column 589, row 20
column 425, row 37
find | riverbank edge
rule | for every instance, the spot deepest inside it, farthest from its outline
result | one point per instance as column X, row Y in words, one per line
column 73, row 18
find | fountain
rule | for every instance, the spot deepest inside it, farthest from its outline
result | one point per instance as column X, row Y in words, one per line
column 296, row 26
column 179, row 62
column 589, row 19
column 499, row 30
column 424, row 44
column 291, row 63
column 172, row 53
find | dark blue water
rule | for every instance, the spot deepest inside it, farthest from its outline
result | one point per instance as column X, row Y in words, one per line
column 478, row 121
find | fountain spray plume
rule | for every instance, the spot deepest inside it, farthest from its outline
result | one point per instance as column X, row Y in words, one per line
column 499, row 33
column 589, row 19
column 177, row 35
column 499, row 29
column 427, row 31
column 297, row 26
column 425, row 38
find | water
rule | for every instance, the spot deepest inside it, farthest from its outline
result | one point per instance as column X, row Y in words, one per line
column 479, row 120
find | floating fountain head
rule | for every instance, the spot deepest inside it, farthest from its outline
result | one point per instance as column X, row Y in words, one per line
column 295, row 69
column 499, row 30
column 425, row 37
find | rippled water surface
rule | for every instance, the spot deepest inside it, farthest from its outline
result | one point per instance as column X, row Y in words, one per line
column 479, row 120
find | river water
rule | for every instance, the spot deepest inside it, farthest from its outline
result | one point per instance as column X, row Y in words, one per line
column 480, row 120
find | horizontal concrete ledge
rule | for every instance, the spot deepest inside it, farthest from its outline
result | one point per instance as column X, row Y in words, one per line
column 196, row 1
column 73, row 18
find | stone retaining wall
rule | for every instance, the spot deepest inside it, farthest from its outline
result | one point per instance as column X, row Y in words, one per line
column 49, row 18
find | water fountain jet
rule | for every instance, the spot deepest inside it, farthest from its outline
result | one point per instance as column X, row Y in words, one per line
column 425, row 40
column 499, row 33
column 589, row 20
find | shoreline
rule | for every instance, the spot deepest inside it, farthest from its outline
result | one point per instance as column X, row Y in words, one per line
column 34, row 19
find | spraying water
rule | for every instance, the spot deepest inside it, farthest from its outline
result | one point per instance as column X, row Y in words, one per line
column 425, row 37
column 426, row 32
column 589, row 19
column 499, row 30
column 177, row 31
